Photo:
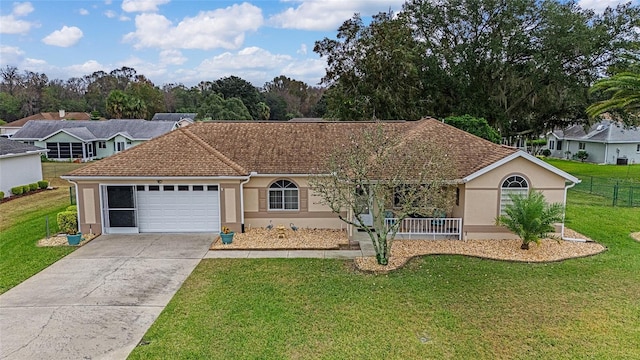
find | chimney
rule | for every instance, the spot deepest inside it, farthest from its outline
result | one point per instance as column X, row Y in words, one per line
column 61, row 113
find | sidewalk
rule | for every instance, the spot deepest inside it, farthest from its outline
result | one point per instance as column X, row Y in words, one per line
column 366, row 249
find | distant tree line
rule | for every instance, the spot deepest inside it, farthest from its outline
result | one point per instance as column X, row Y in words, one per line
column 520, row 64
column 123, row 93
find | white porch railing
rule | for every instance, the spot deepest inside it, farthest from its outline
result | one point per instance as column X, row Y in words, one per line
column 428, row 226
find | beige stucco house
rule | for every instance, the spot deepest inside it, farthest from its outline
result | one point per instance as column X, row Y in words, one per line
column 239, row 174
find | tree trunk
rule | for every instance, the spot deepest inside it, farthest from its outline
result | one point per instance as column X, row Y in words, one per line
column 524, row 246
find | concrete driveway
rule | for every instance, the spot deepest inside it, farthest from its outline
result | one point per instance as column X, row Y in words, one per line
column 97, row 302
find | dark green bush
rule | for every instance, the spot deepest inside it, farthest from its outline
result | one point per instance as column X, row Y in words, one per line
column 546, row 152
column 17, row 190
column 43, row 184
column 25, row 189
column 1, row 195
column 33, row 187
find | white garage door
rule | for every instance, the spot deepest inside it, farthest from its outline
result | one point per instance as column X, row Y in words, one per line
column 178, row 208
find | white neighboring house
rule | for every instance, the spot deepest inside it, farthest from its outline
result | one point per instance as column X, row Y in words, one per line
column 19, row 164
column 606, row 142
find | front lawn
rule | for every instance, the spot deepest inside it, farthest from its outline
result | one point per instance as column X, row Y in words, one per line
column 436, row 307
column 23, row 223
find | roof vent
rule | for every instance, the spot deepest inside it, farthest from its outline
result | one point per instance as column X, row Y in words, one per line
column 600, row 127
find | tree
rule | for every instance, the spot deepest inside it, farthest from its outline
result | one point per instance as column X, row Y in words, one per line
column 235, row 87
column 530, row 217
column 623, row 97
column 120, row 105
column 376, row 169
column 372, row 70
column 520, row 64
column 215, row 107
column 476, row 126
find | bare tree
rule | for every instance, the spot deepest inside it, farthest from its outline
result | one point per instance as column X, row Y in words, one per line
column 381, row 171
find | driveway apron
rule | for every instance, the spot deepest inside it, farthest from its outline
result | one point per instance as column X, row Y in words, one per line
column 97, row 302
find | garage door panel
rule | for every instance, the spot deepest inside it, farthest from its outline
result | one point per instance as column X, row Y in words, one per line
column 178, row 211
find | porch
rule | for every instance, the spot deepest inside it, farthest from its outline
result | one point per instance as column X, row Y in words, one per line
column 420, row 228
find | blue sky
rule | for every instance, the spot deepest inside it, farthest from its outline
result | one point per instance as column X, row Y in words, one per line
column 180, row 41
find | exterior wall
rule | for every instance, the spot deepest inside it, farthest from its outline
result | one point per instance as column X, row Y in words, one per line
column 19, row 170
column 89, row 211
column 482, row 197
column 310, row 214
column 599, row 153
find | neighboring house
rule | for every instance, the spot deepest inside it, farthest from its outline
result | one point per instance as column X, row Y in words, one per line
column 182, row 119
column 606, row 142
column 19, row 164
column 11, row 128
column 88, row 139
column 237, row 174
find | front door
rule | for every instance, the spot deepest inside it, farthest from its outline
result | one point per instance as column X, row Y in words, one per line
column 119, row 208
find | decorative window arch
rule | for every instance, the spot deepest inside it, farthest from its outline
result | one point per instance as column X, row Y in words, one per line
column 284, row 195
column 513, row 184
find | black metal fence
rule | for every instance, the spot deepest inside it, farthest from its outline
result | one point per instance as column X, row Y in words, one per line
column 615, row 192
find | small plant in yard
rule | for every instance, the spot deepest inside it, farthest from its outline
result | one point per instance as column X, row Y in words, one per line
column 530, row 217
column 43, row 184
column 1, row 195
column 225, row 230
column 17, row 190
column 33, row 187
column 68, row 220
column 582, row 155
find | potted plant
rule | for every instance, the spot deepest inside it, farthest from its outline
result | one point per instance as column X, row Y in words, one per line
column 226, row 235
column 68, row 223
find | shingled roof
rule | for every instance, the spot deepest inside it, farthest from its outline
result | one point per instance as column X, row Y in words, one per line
column 9, row 148
column 605, row 131
column 90, row 130
column 229, row 148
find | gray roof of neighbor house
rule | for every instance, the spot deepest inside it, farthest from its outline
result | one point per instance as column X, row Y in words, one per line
column 605, row 131
column 173, row 116
column 50, row 116
column 234, row 148
column 13, row 148
column 89, row 130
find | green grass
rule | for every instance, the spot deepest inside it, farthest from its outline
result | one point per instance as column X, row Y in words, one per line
column 437, row 307
column 602, row 180
column 23, row 223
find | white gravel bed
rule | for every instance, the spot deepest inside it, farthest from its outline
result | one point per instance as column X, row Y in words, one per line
column 260, row 238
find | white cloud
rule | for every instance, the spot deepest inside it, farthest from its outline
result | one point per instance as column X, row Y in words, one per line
column 86, row 68
column 220, row 28
column 172, row 57
column 328, row 14
column 142, row 5
column 65, row 37
column 599, row 5
column 83, row 11
column 124, row 18
column 10, row 24
column 257, row 66
column 10, row 55
column 302, row 50
column 110, row 14
column 22, row 9
column 143, row 67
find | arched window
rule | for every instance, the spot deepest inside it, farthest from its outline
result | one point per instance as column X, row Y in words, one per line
column 512, row 185
column 283, row 195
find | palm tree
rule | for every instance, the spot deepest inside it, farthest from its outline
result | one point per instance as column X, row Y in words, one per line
column 623, row 90
column 530, row 217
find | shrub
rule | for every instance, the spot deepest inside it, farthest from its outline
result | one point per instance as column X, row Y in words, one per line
column 17, row 190
column 43, row 184
column 25, row 189
column 72, row 208
column 68, row 222
column 582, row 155
column 33, row 187
column 546, row 152
column 1, row 195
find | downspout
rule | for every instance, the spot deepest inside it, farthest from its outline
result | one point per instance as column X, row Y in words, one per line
column 77, row 207
column 242, row 200
column 564, row 213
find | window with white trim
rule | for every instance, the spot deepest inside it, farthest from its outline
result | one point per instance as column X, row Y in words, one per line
column 514, row 184
column 582, row 146
column 283, row 195
column 552, row 145
column 102, row 144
